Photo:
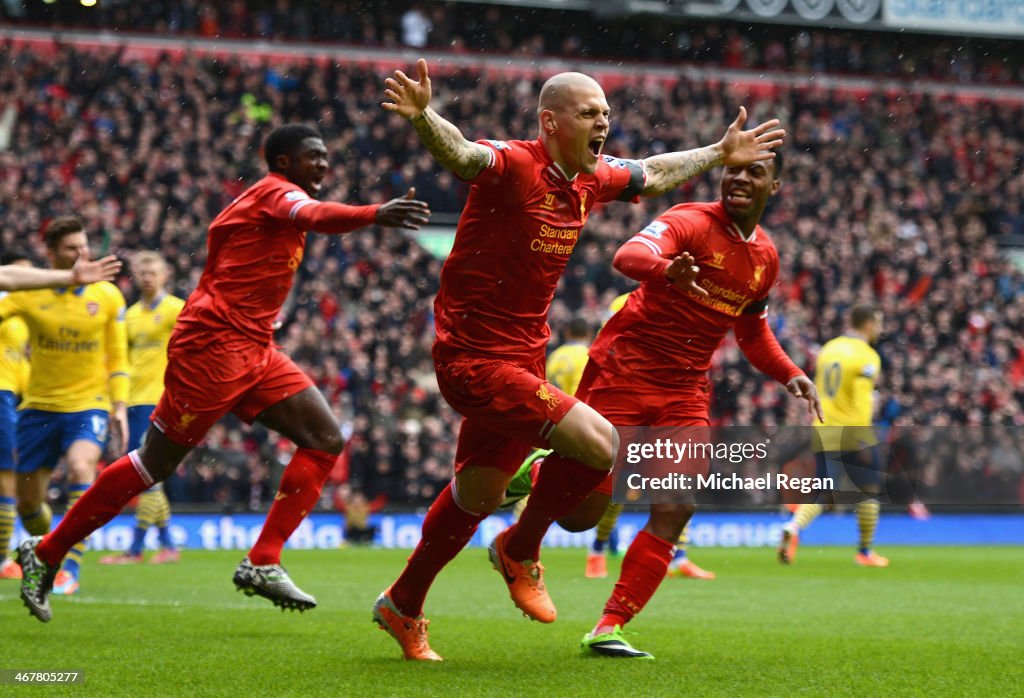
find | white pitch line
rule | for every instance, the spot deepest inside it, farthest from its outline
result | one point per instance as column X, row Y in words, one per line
column 87, row 600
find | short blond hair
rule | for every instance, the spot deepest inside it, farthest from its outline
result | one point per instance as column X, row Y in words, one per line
column 149, row 257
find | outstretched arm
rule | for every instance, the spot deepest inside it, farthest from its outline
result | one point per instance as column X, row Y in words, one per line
column 737, row 148
column 17, row 278
column 335, row 218
column 411, row 100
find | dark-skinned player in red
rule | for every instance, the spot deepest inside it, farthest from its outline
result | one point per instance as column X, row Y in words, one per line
column 528, row 201
column 222, row 358
column 648, row 366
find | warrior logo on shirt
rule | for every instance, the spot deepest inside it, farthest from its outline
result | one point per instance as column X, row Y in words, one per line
column 717, row 260
column 549, row 202
column 544, row 394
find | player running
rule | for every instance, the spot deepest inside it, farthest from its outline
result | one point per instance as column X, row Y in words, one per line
column 649, row 364
column 149, row 322
column 847, row 370
column 527, row 204
column 222, row 358
column 17, row 274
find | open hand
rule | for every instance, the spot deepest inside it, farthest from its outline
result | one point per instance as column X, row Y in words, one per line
column 404, row 212
column 408, row 97
column 89, row 272
column 682, row 272
column 741, row 148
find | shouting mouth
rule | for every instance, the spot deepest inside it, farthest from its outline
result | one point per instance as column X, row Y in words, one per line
column 740, row 197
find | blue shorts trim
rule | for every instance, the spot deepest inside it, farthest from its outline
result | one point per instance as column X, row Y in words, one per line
column 8, row 429
column 138, row 424
column 43, row 437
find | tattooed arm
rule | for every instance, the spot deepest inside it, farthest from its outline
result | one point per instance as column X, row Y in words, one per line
column 736, row 149
column 446, row 143
column 411, row 99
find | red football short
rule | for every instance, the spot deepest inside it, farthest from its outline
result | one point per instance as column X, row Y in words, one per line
column 508, row 409
column 208, row 376
column 631, row 402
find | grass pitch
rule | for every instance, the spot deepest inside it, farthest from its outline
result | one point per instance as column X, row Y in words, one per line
column 937, row 622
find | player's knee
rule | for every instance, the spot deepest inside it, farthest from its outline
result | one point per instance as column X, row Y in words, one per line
column 81, row 470
column 329, row 441
column 600, row 446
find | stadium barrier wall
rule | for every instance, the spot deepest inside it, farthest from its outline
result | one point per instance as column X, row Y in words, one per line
column 709, row 529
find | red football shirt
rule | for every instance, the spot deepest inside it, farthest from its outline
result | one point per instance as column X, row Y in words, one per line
column 254, row 247
column 520, row 224
column 662, row 330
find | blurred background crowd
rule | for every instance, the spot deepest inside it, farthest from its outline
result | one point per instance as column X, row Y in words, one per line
column 904, row 199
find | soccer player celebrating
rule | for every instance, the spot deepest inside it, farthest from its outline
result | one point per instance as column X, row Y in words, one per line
column 17, row 273
column 149, row 322
column 649, row 364
column 846, row 372
column 221, row 358
column 78, row 384
column 527, row 204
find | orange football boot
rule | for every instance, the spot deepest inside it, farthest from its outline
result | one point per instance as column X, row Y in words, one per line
column 411, row 633
column 597, row 566
column 525, row 582
column 872, row 559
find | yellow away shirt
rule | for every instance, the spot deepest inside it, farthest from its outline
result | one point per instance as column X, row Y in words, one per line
column 845, row 377
column 149, row 330
column 77, row 346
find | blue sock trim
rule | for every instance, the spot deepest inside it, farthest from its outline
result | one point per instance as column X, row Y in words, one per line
column 679, row 556
column 9, row 501
column 598, row 545
column 138, row 541
column 71, row 567
column 864, row 551
column 78, row 488
column 164, row 536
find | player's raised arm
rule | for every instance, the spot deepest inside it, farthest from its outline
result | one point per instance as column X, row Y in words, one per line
column 411, row 100
column 738, row 148
column 19, row 278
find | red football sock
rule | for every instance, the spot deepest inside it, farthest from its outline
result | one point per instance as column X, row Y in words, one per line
column 296, row 496
column 643, row 568
column 446, row 530
column 114, row 488
column 560, row 486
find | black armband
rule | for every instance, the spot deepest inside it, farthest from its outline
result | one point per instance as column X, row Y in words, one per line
column 756, row 307
column 637, row 181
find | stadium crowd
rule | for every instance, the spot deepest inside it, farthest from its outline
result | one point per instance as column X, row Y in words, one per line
column 897, row 199
column 471, row 27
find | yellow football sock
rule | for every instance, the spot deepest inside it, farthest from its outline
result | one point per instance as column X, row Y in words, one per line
column 7, row 517
column 805, row 514
column 38, row 522
column 867, row 522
